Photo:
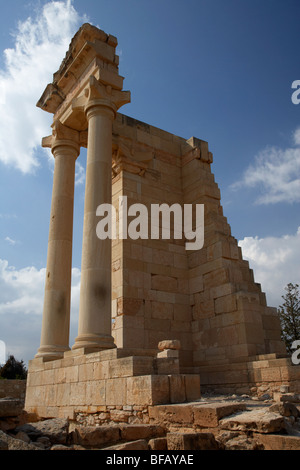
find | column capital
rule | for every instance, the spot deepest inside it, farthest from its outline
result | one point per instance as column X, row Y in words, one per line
column 102, row 98
column 62, row 136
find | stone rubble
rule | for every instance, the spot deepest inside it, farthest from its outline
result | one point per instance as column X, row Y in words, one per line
column 236, row 422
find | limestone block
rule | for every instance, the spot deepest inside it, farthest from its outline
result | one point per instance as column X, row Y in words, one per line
column 167, row 365
column 165, row 414
column 177, row 388
column 78, row 393
column 147, row 390
column 278, row 442
column 96, row 392
column 140, row 444
column 10, row 407
column 63, row 394
column 191, row 441
column 158, row 443
column 164, row 283
column 130, row 366
column 209, row 415
column 55, row 429
column 169, row 344
column 101, row 370
column 116, row 392
column 93, row 436
column 131, row 432
column 168, row 353
column 261, row 420
column 192, row 387
column 225, row 304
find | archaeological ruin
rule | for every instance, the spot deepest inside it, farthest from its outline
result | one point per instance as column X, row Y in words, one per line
column 158, row 324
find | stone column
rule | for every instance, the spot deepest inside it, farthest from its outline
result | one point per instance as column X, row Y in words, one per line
column 56, row 314
column 94, row 328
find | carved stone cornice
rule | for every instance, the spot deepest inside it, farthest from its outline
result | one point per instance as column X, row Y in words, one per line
column 196, row 149
column 130, row 156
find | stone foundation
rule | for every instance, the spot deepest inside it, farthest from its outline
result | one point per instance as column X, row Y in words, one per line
column 106, row 383
column 263, row 374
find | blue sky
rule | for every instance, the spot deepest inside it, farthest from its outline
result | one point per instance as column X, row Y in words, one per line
column 219, row 70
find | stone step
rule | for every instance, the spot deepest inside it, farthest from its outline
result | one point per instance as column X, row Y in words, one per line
column 99, row 436
column 206, row 415
column 259, row 420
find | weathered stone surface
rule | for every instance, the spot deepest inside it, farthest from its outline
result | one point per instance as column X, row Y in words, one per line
column 278, row 442
column 261, row 420
column 60, row 447
column 182, row 414
column 285, row 409
column 191, row 441
column 10, row 443
column 242, row 443
column 140, row 444
column 208, row 415
column 94, row 436
column 55, row 429
column 10, row 407
column 3, row 441
column 158, row 443
column 22, row 436
column 287, row 397
column 140, row 431
column 169, row 344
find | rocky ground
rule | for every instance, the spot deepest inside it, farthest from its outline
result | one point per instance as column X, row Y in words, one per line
column 211, row 423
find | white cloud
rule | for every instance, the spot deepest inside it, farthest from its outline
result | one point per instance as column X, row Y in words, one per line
column 21, row 308
column 11, row 241
column 275, row 262
column 79, row 174
column 41, row 43
column 275, row 174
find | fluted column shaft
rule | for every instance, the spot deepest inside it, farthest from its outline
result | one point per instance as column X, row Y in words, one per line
column 56, row 312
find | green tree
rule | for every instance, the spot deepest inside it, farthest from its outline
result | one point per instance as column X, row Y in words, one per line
column 13, row 369
column 289, row 313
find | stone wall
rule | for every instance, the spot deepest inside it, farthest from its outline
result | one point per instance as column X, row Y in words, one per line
column 12, row 388
column 206, row 298
column 110, row 382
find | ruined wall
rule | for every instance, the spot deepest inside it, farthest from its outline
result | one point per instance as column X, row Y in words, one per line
column 206, row 298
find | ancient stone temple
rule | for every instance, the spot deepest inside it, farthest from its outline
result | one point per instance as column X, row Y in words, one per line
column 156, row 320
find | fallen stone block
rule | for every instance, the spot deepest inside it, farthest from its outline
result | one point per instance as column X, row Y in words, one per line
column 158, row 443
column 191, row 441
column 3, row 441
column 10, row 407
column 285, row 409
column 261, row 420
column 9, row 443
column 279, row 442
column 209, row 415
column 133, row 432
column 60, row 447
column 140, row 444
column 94, row 436
column 242, row 443
column 286, row 397
column 55, row 429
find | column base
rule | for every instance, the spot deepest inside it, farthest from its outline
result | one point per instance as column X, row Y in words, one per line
column 92, row 343
column 50, row 353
